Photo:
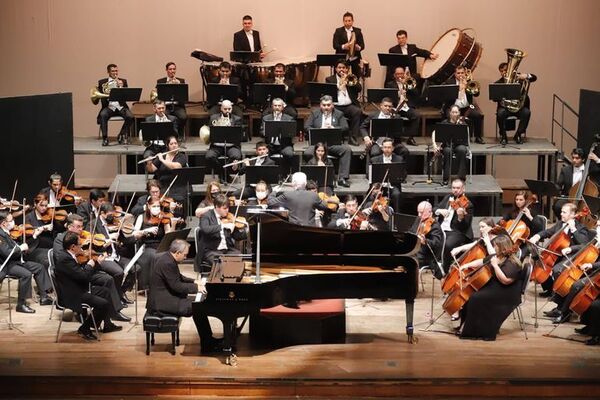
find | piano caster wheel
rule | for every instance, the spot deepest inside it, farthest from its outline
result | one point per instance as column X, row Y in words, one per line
column 231, row 360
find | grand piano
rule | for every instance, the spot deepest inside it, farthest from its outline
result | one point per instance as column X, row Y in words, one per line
column 394, row 272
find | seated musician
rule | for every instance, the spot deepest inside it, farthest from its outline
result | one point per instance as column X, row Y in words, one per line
column 169, row 291
column 77, row 285
column 411, row 50
column 524, row 113
column 152, row 191
column 43, row 234
column 431, row 237
column 107, row 273
column 347, row 99
column 380, row 214
column 328, row 117
column 216, row 150
column 89, row 209
column 261, row 195
column 455, row 213
column 261, row 151
column 225, row 78
column 290, row 91
column 150, row 227
column 591, row 317
column 164, row 167
column 247, row 39
column 408, row 101
column 216, row 236
column 343, row 218
column 466, row 105
column 342, row 42
column 374, row 146
column 530, row 214
column 460, row 151
column 10, row 258
column 486, row 310
column 388, row 156
column 283, row 146
column 577, row 233
column 113, row 108
column 212, row 189
column 572, row 174
column 300, row 202
column 53, row 191
column 174, row 108
column 319, row 156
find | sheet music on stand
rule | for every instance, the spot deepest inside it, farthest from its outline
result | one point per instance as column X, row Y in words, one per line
column 136, row 257
column 8, row 258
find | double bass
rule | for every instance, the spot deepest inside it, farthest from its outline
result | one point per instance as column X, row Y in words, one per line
column 589, row 188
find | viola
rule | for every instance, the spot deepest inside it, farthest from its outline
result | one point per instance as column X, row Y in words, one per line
column 17, row 232
column 460, row 202
column 332, row 201
column 453, row 279
column 584, row 299
column 588, row 254
column 54, row 214
column 474, row 282
column 239, row 222
column 425, row 226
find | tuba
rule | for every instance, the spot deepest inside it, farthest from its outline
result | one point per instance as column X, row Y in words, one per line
column 514, row 59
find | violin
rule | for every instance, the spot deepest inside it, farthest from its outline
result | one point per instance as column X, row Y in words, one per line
column 239, row 222
column 584, row 299
column 69, row 196
column 54, row 214
column 12, row 206
column 162, row 218
column 17, row 232
column 85, row 256
column 358, row 220
column 588, row 254
column 332, row 201
column 379, row 201
column 168, row 204
column 425, row 227
column 461, row 202
column 98, row 241
column 473, row 283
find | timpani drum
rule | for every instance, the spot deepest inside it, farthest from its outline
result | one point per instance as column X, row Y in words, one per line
column 210, row 70
column 455, row 47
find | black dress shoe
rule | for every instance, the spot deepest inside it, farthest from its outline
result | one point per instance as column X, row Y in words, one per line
column 562, row 318
column 585, row 330
column 111, row 328
column 24, row 308
column 121, row 138
column 479, row 139
column 445, row 182
column 594, row 341
column 121, row 317
column 86, row 334
column 546, row 293
column 105, row 142
column 126, row 299
column 503, row 140
column 518, row 138
column 46, row 301
column 553, row 313
column 411, row 141
column 344, row 183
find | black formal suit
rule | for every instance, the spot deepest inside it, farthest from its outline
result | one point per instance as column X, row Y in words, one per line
column 283, row 146
column 413, row 52
column 394, row 192
column 472, row 112
column 169, row 289
column 352, row 111
column 301, row 205
column 343, row 151
column 241, row 43
column 365, row 130
column 23, row 269
column 105, row 112
column 290, row 95
column 215, row 151
column 210, row 238
column 434, row 240
column 74, row 286
column 176, row 109
column 38, row 247
column 461, row 231
column 85, row 210
column 340, row 38
column 524, row 114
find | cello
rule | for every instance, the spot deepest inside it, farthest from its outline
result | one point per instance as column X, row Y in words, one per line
column 473, row 282
column 516, row 228
column 573, row 272
column 584, row 299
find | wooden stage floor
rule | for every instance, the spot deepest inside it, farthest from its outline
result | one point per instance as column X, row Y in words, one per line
column 375, row 361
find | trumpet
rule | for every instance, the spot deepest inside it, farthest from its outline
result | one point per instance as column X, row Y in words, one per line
column 409, row 82
column 348, row 80
column 472, row 87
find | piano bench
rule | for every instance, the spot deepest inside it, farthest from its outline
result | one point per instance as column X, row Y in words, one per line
column 161, row 323
column 314, row 322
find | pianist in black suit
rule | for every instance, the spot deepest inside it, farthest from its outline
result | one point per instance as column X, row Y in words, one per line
column 283, row 146
column 174, row 108
column 430, row 253
column 300, row 202
column 217, row 237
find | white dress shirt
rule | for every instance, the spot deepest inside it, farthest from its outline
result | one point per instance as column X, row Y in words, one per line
column 250, row 36
column 114, row 105
column 327, row 121
column 223, row 243
column 577, row 174
column 343, row 96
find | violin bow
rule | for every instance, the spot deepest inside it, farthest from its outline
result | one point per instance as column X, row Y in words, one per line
column 13, row 193
column 367, row 197
column 169, row 188
column 116, row 191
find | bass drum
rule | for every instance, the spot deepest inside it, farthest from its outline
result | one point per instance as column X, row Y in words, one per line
column 455, row 47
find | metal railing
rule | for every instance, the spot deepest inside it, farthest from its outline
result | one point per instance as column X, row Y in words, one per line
column 563, row 130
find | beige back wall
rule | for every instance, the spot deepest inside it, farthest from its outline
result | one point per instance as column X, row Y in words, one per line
column 64, row 46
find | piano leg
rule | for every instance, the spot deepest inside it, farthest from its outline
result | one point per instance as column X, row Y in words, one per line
column 229, row 340
column 410, row 307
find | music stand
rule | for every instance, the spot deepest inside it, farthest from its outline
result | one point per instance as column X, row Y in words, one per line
column 173, row 92
column 268, row 173
column 543, row 189
column 394, row 60
column 391, row 128
column 228, row 135
column 279, row 130
column 328, row 136
column 244, row 57
column 451, row 135
column 125, row 94
column 329, row 60
column 376, row 95
column 264, row 93
column 317, row 174
column 316, row 90
column 190, row 176
column 440, row 94
column 157, row 131
column 393, row 173
column 216, row 93
column 170, row 237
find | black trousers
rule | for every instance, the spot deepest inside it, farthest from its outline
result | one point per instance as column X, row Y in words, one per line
column 101, row 279
column 453, row 239
column 97, row 300
column 214, row 152
column 524, row 114
column 353, row 114
column 460, row 153
column 475, row 119
column 180, row 115
column 106, row 113
column 287, row 153
column 24, row 277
